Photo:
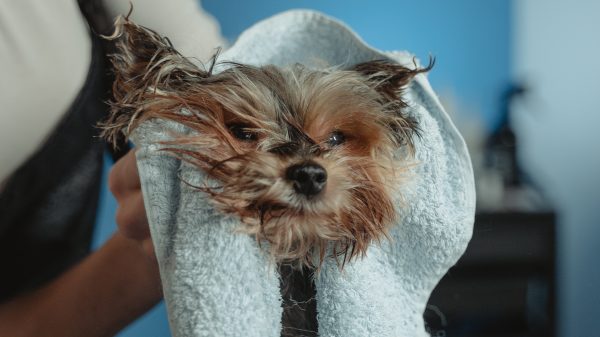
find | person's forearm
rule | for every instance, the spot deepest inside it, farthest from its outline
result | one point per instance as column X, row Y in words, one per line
column 98, row 297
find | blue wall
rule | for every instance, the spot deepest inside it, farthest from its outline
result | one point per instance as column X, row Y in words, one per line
column 556, row 52
column 469, row 38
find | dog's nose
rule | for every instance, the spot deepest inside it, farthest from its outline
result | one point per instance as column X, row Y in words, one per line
column 308, row 178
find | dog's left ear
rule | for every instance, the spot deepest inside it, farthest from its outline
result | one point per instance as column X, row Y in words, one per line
column 150, row 78
column 387, row 77
column 144, row 58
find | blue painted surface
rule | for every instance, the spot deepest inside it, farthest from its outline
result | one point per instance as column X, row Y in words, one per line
column 469, row 38
column 556, row 52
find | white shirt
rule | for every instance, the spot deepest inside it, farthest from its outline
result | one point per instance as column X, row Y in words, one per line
column 45, row 54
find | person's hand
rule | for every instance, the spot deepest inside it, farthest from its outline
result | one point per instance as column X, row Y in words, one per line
column 124, row 183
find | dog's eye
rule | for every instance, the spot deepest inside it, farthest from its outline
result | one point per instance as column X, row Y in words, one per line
column 241, row 132
column 336, row 138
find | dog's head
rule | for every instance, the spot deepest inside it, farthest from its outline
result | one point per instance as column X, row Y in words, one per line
column 307, row 158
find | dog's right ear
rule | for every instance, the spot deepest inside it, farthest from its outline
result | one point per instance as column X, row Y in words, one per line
column 388, row 77
column 149, row 76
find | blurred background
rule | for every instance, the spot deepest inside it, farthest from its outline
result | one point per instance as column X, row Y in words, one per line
column 521, row 80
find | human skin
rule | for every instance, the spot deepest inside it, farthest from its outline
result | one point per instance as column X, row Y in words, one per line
column 107, row 290
column 124, row 183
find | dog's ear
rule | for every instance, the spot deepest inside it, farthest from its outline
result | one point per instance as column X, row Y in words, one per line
column 387, row 77
column 150, row 76
column 146, row 59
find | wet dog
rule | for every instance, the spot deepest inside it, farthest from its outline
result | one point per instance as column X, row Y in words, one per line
column 308, row 159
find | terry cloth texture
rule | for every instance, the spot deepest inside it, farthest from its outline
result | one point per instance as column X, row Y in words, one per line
column 220, row 283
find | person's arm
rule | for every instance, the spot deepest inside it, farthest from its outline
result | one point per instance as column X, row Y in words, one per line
column 106, row 291
column 98, row 297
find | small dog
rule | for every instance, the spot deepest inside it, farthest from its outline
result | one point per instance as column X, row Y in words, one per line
column 308, row 159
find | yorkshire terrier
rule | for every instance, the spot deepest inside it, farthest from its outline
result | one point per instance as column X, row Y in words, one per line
column 308, row 159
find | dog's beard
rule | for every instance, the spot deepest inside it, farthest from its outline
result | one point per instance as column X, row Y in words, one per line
column 252, row 125
column 354, row 208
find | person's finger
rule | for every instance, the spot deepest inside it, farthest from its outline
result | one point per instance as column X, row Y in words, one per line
column 124, row 175
column 131, row 217
column 148, row 248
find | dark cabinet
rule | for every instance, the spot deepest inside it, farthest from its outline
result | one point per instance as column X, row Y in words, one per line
column 504, row 285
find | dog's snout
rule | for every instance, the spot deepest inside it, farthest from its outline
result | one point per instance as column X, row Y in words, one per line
column 308, row 178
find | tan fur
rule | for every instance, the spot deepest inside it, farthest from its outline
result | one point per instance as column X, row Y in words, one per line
column 292, row 112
